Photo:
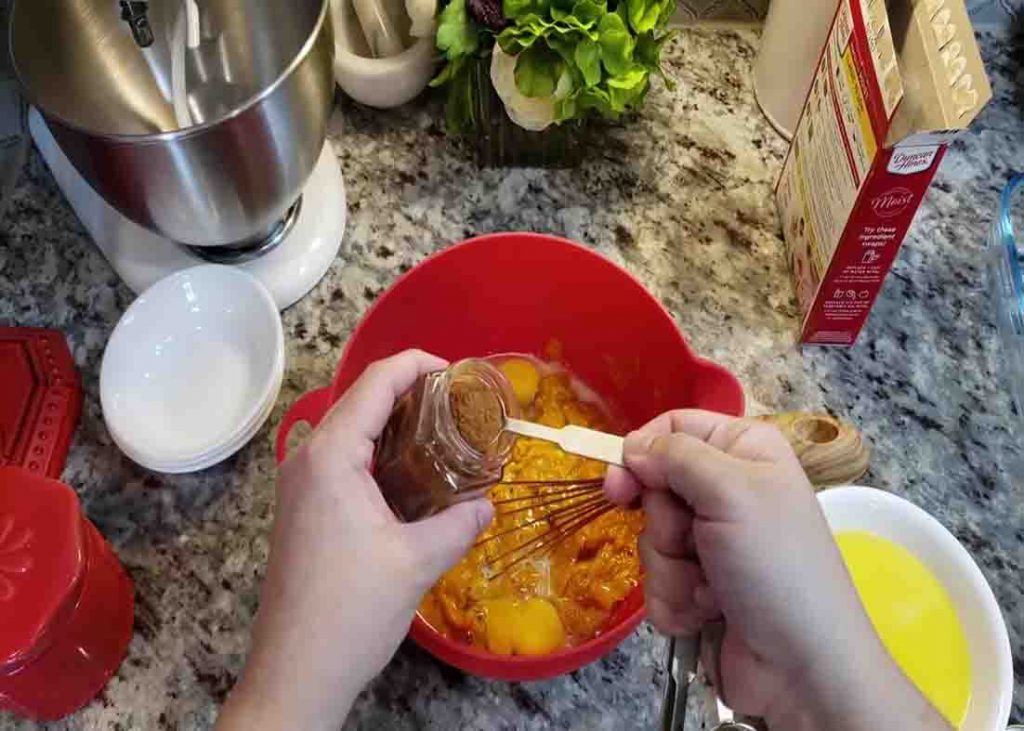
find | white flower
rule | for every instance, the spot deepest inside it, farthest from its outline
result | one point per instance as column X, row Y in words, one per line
column 421, row 13
column 529, row 112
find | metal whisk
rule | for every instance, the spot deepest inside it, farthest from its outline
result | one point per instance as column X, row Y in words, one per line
column 554, row 511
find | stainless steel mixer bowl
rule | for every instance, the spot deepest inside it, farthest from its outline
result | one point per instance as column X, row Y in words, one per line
column 261, row 84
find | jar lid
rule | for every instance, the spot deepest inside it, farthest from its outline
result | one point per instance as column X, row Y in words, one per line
column 40, row 399
column 42, row 561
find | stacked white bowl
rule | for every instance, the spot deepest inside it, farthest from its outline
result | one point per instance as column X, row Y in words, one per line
column 193, row 369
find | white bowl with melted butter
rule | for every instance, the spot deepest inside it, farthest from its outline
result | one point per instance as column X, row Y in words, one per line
column 853, row 512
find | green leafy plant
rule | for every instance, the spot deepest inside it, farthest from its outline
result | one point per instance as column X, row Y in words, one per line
column 585, row 56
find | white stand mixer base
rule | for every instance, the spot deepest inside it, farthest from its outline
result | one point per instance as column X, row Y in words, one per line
column 141, row 257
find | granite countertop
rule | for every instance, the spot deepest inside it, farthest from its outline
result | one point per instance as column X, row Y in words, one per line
column 682, row 199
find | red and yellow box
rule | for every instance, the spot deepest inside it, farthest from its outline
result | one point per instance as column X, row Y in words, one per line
column 891, row 91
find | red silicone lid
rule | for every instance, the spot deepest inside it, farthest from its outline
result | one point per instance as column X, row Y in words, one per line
column 42, row 560
column 40, row 399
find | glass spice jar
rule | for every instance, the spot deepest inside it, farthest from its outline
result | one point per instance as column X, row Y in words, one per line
column 445, row 440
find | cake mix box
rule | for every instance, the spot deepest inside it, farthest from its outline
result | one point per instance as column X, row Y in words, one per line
column 894, row 86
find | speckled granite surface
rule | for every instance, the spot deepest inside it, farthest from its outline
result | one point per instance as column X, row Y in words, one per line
column 681, row 198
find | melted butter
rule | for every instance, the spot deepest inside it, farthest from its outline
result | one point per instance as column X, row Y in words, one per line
column 915, row 618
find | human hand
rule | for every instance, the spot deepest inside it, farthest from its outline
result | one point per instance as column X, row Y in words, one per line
column 345, row 576
column 734, row 530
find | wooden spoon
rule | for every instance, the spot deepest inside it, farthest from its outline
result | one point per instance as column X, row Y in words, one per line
column 831, row 451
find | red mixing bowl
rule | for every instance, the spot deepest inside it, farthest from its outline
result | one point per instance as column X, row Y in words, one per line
column 526, row 293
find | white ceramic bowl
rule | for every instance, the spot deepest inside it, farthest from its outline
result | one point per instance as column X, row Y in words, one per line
column 893, row 518
column 378, row 82
column 213, row 456
column 192, row 369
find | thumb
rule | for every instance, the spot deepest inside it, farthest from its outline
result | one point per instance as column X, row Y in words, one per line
column 443, row 539
column 706, row 478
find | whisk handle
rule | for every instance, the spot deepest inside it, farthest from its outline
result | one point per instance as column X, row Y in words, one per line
column 683, row 653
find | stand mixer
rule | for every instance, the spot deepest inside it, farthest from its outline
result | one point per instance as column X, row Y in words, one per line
column 181, row 145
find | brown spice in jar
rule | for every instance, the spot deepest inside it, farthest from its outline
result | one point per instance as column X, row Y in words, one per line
column 408, row 475
column 477, row 411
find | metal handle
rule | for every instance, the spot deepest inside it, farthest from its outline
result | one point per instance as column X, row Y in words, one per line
column 683, row 653
column 683, row 657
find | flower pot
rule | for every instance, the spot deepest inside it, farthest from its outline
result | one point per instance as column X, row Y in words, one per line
column 500, row 142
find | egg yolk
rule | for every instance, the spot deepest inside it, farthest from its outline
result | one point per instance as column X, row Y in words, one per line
column 915, row 618
column 531, row 627
column 524, row 377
